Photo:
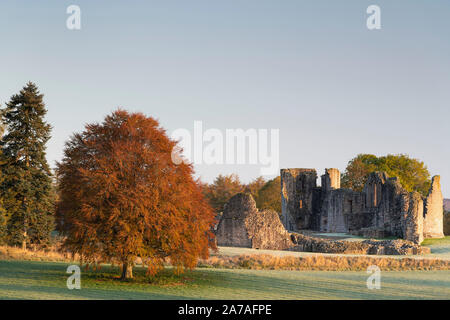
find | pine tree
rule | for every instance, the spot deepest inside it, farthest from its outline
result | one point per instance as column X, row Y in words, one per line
column 26, row 188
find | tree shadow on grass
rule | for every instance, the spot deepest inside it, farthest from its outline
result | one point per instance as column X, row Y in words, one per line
column 60, row 293
column 45, row 280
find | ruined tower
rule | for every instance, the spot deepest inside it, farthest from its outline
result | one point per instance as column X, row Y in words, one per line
column 383, row 209
column 414, row 219
column 434, row 211
column 243, row 225
column 331, row 179
column 297, row 189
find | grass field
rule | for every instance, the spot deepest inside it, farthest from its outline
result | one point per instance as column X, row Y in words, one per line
column 434, row 242
column 440, row 248
column 47, row 280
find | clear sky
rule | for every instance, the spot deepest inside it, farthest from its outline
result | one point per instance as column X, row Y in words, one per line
column 309, row 68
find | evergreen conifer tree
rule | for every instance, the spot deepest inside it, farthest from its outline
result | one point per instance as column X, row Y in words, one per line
column 26, row 188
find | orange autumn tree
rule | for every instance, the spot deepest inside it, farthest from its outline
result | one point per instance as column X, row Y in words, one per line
column 123, row 198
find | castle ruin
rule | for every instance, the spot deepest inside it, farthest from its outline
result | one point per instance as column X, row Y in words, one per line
column 383, row 209
column 243, row 225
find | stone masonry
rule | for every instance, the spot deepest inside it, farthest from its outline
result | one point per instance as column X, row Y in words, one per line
column 243, row 225
column 383, row 209
column 434, row 211
column 297, row 191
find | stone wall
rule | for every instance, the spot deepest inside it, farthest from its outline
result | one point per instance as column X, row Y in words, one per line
column 331, row 179
column 377, row 208
column 434, row 211
column 384, row 199
column 343, row 211
column 385, row 247
column 297, row 189
column 413, row 220
column 232, row 230
column 383, row 209
column 243, row 225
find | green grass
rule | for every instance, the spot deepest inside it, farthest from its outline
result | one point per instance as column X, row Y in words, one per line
column 346, row 236
column 440, row 241
column 47, row 280
column 439, row 247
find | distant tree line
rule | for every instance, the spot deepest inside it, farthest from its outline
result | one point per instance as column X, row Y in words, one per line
column 412, row 173
column 266, row 193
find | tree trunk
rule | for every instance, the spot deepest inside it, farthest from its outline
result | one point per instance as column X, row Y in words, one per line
column 127, row 271
column 25, row 221
column 24, row 204
column 24, row 241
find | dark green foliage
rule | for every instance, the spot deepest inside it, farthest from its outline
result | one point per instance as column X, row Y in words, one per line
column 413, row 173
column 26, row 188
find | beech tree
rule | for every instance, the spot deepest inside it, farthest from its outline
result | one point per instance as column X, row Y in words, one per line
column 122, row 197
column 26, row 186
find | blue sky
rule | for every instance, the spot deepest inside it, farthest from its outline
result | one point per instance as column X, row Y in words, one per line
column 309, row 68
